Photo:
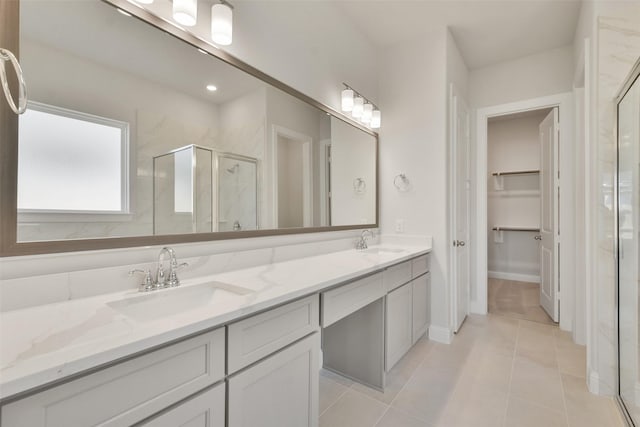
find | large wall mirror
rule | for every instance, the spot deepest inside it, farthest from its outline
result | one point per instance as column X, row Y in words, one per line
column 137, row 134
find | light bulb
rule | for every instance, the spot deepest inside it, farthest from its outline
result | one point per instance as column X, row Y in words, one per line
column 185, row 12
column 212, row 88
column 358, row 107
column 221, row 24
column 375, row 119
column 347, row 100
column 366, row 113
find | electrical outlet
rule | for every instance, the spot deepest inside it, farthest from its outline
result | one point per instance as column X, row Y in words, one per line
column 399, row 225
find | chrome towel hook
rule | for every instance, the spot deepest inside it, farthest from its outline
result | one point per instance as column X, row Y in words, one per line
column 6, row 55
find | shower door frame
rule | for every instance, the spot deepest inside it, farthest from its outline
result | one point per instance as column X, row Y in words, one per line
column 631, row 79
column 217, row 155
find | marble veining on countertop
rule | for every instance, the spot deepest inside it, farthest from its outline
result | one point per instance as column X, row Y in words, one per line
column 43, row 344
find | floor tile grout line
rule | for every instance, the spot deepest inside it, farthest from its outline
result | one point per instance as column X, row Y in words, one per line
column 346, row 389
column 564, row 397
column 513, row 367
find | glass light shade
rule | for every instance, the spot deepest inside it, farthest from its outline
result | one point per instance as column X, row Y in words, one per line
column 375, row 119
column 221, row 24
column 366, row 113
column 144, row 1
column 358, row 107
column 185, row 12
column 347, row 100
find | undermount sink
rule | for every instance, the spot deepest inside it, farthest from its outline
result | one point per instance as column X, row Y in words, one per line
column 382, row 250
column 167, row 302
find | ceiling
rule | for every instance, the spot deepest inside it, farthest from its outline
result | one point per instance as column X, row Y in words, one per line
column 486, row 31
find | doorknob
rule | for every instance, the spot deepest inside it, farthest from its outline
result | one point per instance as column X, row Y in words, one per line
column 457, row 243
column 538, row 237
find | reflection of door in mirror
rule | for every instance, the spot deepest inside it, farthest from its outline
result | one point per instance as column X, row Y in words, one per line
column 183, row 200
column 237, row 193
column 294, row 182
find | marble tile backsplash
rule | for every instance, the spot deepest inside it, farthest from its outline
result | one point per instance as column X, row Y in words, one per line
column 44, row 279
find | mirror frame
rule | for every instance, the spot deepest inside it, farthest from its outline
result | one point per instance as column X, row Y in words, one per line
column 9, row 246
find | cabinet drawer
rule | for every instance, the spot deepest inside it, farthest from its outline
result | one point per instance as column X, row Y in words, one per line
column 420, row 265
column 279, row 391
column 258, row 336
column 344, row 300
column 206, row 409
column 128, row 392
column 397, row 275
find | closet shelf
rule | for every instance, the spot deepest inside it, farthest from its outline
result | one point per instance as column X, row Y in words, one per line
column 532, row 229
column 528, row 172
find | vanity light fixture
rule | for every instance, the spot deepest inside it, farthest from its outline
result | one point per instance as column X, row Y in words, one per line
column 375, row 119
column 347, row 100
column 363, row 110
column 185, row 12
column 212, row 88
column 367, row 113
column 358, row 107
column 222, row 23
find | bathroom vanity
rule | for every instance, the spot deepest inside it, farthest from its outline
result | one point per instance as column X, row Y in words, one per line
column 250, row 359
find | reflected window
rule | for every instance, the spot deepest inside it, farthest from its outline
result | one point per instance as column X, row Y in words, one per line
column 70, row 161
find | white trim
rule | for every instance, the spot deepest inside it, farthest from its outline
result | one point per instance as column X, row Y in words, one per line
column 307, row 176
column 440, row 334
column 324, row 188
column 502, row 275
column 593, row 382
column 564, row 102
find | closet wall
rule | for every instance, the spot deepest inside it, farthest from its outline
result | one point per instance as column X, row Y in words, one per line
column 514, row 200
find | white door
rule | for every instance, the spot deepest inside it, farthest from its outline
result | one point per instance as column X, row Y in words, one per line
column 548, row 214
column 461, row 186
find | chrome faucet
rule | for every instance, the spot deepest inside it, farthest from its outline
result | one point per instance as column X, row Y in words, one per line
column 161, row 280
column 171, row 280
column 362, row 242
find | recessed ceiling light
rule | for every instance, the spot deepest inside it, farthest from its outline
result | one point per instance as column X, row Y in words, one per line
column 124, row 13
column 211, row 88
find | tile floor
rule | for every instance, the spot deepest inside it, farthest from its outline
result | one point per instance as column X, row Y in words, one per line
column 516, row 299
column 498, row 372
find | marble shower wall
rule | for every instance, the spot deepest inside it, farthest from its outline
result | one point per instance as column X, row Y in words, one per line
column 617, row 51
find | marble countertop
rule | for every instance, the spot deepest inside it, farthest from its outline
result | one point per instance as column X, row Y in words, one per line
column 43, row 344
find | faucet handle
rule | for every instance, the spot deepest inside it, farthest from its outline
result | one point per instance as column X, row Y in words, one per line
column 147, row 284
column 173, row 274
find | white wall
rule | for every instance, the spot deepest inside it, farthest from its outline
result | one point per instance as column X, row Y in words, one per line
column 513, row 145
column 546, row 73
column 413, row 141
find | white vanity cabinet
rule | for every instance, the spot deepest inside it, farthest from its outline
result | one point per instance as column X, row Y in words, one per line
column 399, row 324
column 407, row 310
column 279, row 391
column 128, row 392
column 206, row 409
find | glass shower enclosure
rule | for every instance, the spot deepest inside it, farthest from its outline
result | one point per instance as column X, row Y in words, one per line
column 628, row 246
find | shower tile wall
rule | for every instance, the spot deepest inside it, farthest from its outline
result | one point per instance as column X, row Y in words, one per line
column 618, row 49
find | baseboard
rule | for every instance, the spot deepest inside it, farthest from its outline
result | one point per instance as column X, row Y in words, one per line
column 440, row 334
column 514, row 276
column 593, row 383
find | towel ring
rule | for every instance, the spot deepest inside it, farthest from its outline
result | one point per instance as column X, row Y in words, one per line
column 401, row 182
column 359, row 185
column 6, row 55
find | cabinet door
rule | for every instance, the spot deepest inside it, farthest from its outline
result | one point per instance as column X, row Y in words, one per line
column 398, row 324
column 203, row 410
column 279, row 391
column 421, row 305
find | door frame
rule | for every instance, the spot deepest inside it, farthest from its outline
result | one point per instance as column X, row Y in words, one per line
column 454, row 95
column 564, row 102
column 307, row 176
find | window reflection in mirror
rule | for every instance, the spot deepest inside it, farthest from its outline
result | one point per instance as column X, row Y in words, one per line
column 246, row 156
